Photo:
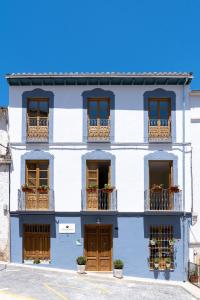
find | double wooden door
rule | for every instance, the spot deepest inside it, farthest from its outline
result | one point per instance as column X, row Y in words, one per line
column 98, row 247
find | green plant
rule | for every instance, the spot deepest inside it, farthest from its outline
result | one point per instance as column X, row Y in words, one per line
column 172, row 242
column 153, row 242
column 92, row 186
column 118, row 264
column 36, row 261
column 81, row 260
column 108, row 186
column 43, row 187
column 156, row 260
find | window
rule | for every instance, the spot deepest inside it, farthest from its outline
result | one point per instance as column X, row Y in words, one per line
column 99, row 119
column 37, row 119
column 36, row 190
column 161, row 247
column 159, row 118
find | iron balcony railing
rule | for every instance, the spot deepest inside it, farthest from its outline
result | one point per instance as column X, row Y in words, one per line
column 37, row 129
column 98, row 130
column 194, row 273
column 159, row 129
column 35, row 200
column 99, row 200
column 163, row 200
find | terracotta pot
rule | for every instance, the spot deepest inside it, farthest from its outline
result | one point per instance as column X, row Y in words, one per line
column 194, row 278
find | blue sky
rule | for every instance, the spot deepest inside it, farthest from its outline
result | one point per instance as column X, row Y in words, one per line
column 98, row 35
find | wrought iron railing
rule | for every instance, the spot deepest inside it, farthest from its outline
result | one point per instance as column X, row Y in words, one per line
column 37, row 128
column 98, row 129
column 162, row 200
column 99, row 199
column 194, row 273
column 35, row 200
column 159, row 129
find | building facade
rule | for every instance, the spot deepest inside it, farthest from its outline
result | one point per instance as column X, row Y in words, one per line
column 101, row 168
column 194, row 246
column 5, row 164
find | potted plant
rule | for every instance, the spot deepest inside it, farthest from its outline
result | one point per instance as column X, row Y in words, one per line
column 194, row 276
column 25, row 188
column 92, row 187
column 174, row 189
column 36, row 261
column 156, row 262
column 43, row 188
column 81, row 262
column 171, row 242
column 152, row 242
column 157, row 187
column 108, row 188
column 118, row 268
column 168, row 262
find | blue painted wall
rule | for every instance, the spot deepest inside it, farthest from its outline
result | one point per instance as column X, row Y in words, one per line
column 130, row 240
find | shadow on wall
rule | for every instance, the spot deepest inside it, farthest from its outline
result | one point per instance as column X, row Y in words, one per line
column 100, row 220
column 37, row 219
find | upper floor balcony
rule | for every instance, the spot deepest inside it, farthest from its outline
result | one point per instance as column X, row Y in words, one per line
column 98, row 130
column 159, row 199
column 94, row 199
column 35, row 199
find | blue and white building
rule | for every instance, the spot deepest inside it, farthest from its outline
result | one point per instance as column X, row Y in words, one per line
column 101, row 168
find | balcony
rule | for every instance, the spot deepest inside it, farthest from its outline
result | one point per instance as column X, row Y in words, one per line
column 159, row 130
column 35, row 200
column 98, row 130
column 37, row 129
column 99, row 200
column 163, row 200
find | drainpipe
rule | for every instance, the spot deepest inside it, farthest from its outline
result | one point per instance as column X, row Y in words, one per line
column 183, row 179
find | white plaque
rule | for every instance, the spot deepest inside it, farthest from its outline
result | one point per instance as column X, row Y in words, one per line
column 66, row 228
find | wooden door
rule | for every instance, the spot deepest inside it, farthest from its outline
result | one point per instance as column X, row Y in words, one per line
column 37, row 241
column 92, row 181
column 98, row 247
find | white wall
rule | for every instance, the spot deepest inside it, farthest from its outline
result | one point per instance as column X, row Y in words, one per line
column 129, row 128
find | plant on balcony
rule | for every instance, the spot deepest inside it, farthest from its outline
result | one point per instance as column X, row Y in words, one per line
column 92, row 187
column 168, row 262
column 172, row 242
column 108, row 188
column 156, row 262
column 43, row 188
column 26, row 188
column 118, row 268
column 81, row 262
column 193, row 277
column 157, row 188
column 152, row 242
column 174, row 189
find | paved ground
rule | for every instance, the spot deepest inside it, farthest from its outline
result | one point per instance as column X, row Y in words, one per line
column 32, row 284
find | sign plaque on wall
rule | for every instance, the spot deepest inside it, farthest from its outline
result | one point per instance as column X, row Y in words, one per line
column 67, row 228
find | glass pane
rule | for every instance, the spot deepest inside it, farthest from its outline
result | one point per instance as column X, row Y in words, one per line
column 31, row 174
column 104, row 114
column 43, row 174
column 32, row 108
column 43, row 181
column 93, row 109
column 164, row 110
column 31, row 182
column 31, row 166
column 44, row 166
column 153, row 110
column 43, row 108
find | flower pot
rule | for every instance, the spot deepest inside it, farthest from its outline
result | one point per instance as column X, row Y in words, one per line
column 156, row 265
column 174, row 189
column 108, row 190
column 81, row 269
column 41, row 191
column 118, row 273
column 152, row 242
column 171, row 243
column 193, row 278
column 168, row 265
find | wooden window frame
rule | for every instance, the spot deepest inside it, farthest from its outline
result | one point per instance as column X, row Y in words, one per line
column 98, row 100
column 37, row 178
column 37, row 100
column 161, row 234
column 160, row 100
